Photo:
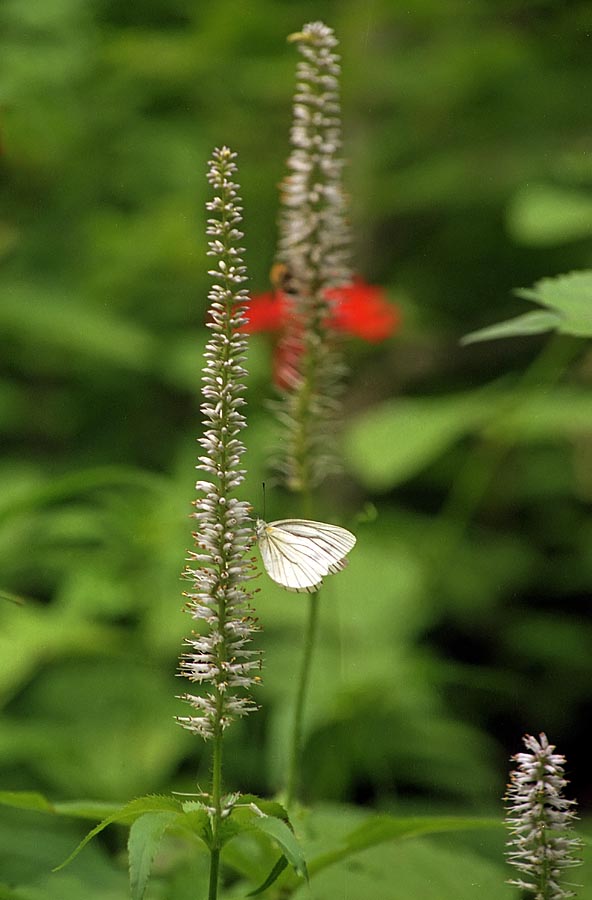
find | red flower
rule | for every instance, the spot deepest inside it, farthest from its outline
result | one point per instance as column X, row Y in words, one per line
column 357, row 309
column 266, row 312
column 361, row 309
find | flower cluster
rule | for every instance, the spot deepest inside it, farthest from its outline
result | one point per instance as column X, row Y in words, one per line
column 314, row 237
column 313, row 246
column 220, row 658
column 540, row 821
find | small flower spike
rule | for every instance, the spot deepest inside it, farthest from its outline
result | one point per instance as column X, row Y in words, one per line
column 314, row 235
column 540, row 821
column 219, row 658
column 314, row 254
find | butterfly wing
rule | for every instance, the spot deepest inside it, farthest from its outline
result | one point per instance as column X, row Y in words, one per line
column 289, row 560
column 298, row 553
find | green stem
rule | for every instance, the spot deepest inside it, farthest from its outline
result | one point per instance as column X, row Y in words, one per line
column 214, row 868
column 303, row 683
column 295, row 750
column 217, row 819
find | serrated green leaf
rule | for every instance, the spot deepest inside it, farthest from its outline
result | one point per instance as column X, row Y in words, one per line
column 570, row 296
column 281, row 833
column 144, row 840
column 568, row 299
column 128, row 813
column 269, row 807
column 273, row 876
column 529, row 323
column 249, row 815
column 26, row 800
column 198, row 822
column 86, row 809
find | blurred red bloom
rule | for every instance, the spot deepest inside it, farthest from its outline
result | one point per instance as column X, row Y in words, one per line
column 265, row 312
column 362, row 310
column 357, row 309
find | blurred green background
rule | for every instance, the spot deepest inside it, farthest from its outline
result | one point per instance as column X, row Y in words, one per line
column 463, row 619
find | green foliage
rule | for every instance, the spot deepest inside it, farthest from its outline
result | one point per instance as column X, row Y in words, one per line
column 283, row 836
column 418, row 870
column 569, row 299
column 129, row 814
column 342, row 841
column 461, row 620
column 424, row 427
column 529, row 323
column 427, row 427
column 151, row 817
column 545, row 214
column 144, row 840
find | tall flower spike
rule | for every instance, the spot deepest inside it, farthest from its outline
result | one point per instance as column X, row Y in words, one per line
column 540, row 820
column 314, row 248
column 219, row 659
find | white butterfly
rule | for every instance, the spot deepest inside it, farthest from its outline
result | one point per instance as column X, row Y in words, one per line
column 298, row 553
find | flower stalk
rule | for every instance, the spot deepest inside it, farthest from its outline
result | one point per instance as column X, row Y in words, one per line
column 295, row 750
column 219, row 659
column 313, row 250
column 542, row 843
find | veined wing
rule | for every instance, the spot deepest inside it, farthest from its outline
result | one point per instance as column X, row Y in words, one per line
column 297, row 553
column 335, row 541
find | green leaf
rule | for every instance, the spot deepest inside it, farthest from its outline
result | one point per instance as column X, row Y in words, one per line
column 414, row 870
column 86, row 809
column 398, row 439
column 568, row 295
column 383, row 831
column 198, row 822
column 128, row 813
column 529, row 323
column 73, row 484
column 273, row 876
column 544, row 214
column 26, row 800
column 388, row 828
column 568, row 299
column 562, row 414
column 48, row 319
column 282, row 834
column 380, row 829
column 144, row 840
column 269, row 807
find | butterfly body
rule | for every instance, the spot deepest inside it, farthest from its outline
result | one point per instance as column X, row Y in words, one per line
column 298, row 553
column 283, row 280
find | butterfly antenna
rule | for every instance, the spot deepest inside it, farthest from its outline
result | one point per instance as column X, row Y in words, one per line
column 263, row 491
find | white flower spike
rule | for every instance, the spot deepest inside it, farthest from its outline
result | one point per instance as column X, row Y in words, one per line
column 540, row 819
